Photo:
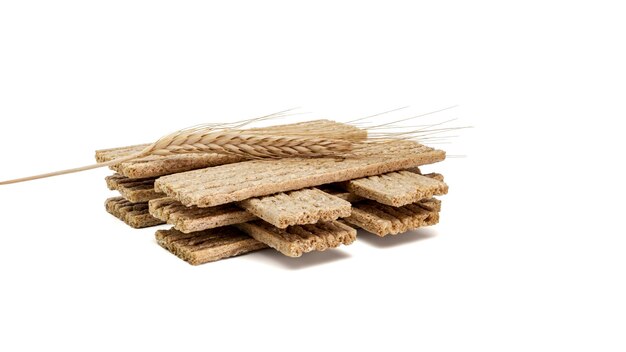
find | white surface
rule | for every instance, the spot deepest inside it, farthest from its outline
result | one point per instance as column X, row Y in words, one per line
column 529, row 254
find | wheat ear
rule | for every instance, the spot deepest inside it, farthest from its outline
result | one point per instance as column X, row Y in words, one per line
column 248, row 145
column 233, row 142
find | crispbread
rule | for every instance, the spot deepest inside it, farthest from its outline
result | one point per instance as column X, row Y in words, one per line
column 397, row 188
column 134, row 190
column 135, row 215
column 339, row 192
column 155, row 165
column 296, row 240
column 190, row 219
column 282, row 210
column 384, row 220
column 236, row 182
column 307, row 206
column 209, row 245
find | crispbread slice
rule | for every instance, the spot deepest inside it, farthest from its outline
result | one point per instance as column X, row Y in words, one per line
column 339, row 192
column 134, row 190
column 154, row 166
column 236, row 182
column 209, row 245
column 384, row 220
column 135, row 215
column 307, row 206
column 397, row 188
column 294, row 208
column 296, row 240
column 190, row 219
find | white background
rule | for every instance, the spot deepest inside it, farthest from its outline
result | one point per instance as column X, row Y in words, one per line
column 529, row 254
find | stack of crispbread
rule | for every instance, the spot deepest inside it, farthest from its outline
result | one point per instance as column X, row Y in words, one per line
column 221, row 206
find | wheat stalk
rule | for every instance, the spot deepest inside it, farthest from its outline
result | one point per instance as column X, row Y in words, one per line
column 208, row 139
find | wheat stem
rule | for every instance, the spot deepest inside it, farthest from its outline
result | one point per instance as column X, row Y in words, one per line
column 69, row 171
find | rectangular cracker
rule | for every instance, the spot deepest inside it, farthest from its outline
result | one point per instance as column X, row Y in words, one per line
column 339, row 192
column 236, row 182
column 384, row 220
column 134, row 190
column 296, row 240
column 285, row 209
column 397, row 188
column 191, row 219
column 154, row 166
column 307, row 206
column 209, row 245
column 135, row 215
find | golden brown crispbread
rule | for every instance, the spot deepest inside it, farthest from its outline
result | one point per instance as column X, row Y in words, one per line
column 135, row 215
column 307, row 206
column 236, row 182
column 209, row 245
column 397, row 188
column 296, row 240
column 384, row 220
column 133, row 190
column 191, row 219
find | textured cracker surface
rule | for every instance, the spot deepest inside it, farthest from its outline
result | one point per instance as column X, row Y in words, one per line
column 209, row 245
column 397, row 188
column 190, row 219
column 282, row 210
column 154, row 166
column 135, row 215
column 134, row 190
column 337, row 191
column 296, row 240
column 384, row 220
column 307, row 206
column 236, row 182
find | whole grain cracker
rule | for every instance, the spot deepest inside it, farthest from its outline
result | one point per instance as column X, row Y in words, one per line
column 307, row 206
column 209, row 245
column 135, row 215
column 191, row 219
column 384, row 220
column 134, row 190
column 236, row 182
column 397, row 188
column 296, row 240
